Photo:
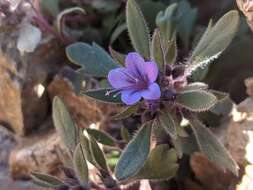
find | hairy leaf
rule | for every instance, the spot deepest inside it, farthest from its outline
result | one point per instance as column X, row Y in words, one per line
column 196, row 100
column 138, row 29
column 196, row 86
column 80, row 166
column 168, row 122
column 160, row 165
column 171, row 54
column 126, row 136
column 165, row 20
column 45, row 180
column 102, row 137
column 64, row 124
column 93, row 59
column 85, row 144
column 157, row 50
column 120, row 58
column 127, row 112
column 98, row 155
column 65, row 12
column 103, row 95
column 212, row 148
column 214, row 41
column 135, row 154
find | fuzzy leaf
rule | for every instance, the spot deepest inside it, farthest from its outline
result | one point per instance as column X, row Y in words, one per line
column 102, row 137
column 135, row 154
column 59, row 22
column 98, row 155
column 160, row 165
column 212, row 148
column 64, row 123
column 171, row 54
column 93, row 59
column 127, row 112
column 102, row 95
column 45, row 180
column 169, row 124
column 126, row 136
column 214, row 41
column 80, row 166
column 166, row 22
column 138, row 29
column 187, row 17
column 196, row 100
column 117, row 32
column 196, row 86
column 157, row 50
column 120, row 58
column 85, row 144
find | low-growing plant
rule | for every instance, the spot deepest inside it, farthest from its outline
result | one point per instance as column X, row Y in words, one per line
column 154, row 86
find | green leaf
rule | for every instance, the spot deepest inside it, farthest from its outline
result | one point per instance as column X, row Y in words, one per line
column 45, row 180
column 171, row 54
column 165, row 20
column 186, row 145
column 60, row 16
column 103, row 95
column 93, row 59
column 160, row 165
column 102, row 137
column 85, row 144
column 64, row 124
column 169, row 124
column 117, row 32
column 126, row 136
column 80, row 166
column 127, row 112
column 212, row 148
column 138, row 29
column 196, row 86
column 120, row 58
column 50, row 6
column 157, row 50
column 196, row 100
column 98, row 155
column 135, row 154
column 214, row 41
column 187, row 17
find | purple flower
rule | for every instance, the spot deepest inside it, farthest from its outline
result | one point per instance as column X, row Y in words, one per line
column 136, row 80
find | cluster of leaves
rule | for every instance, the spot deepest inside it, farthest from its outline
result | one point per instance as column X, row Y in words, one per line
column 138, row 160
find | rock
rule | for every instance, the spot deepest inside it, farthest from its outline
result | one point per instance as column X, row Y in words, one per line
column 209, row 175
column 41, row 66
column 7, row 143
column 24, row 103
column 84, row 110
column 7, row 184
column 10, row 97
column 249, row 85
column 36, row 153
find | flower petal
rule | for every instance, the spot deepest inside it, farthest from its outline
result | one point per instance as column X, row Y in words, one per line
column 135, row 64
column 130, row 97
column 151, row 70
column 118, row 78
column 152, row 93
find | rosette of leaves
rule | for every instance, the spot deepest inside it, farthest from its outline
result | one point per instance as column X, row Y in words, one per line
column 179, row 100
